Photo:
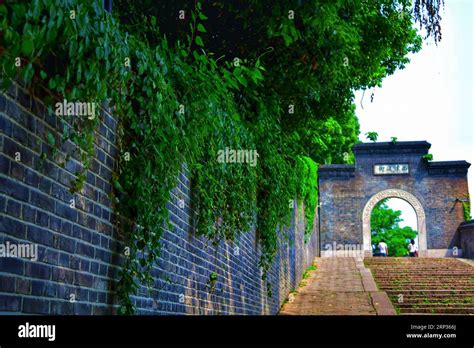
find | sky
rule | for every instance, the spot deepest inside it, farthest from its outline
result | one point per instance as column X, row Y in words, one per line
column 431, row 99
column 408, row 213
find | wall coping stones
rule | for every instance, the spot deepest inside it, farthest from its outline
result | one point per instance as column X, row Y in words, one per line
column 389, row 148
column 448, row 167
column 336, row 170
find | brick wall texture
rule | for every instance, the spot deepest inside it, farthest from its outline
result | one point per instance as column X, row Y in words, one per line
column 80, row 249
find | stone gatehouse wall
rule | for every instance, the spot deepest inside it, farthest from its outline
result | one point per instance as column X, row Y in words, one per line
column 80, row 249
column 345, row 190
column 466, row 236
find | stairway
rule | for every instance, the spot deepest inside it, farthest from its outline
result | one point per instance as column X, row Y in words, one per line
column 425, row 285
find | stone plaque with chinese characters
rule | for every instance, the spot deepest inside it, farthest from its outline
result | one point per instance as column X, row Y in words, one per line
column 381, row 169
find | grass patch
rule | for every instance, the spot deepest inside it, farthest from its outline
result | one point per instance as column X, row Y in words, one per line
column 293, row 292
column 308, row 271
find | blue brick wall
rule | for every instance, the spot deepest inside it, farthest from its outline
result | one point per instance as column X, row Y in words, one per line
column 80, row 249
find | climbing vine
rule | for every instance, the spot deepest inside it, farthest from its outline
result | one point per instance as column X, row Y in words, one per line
column 180, row 100
column 175, row 107
column 466, row 207
column 308, row 190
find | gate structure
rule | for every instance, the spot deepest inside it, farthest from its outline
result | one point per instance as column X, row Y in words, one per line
column 348, row 193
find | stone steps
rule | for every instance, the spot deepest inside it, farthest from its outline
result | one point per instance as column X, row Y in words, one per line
column 432, row 297
column 441, row 285
column 428, row 280
column 422, row 271
column 445, row 275
column 456, row 302
column 431, row 292
column 424, row 287
column 446, row 284
column 438, row 310
column 427, row 285
column 420, row 302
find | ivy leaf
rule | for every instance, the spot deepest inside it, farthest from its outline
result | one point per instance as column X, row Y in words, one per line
column 51, row 139
column 118, row 186
column 257, row 63
column 237, row 72
column 99, row 52
column 242, row 80
column 201, row 28
column 287, row 39
column 60, row 18
column 51, row 84
column 52, row 12
column 51, row 34
column 141, row 244
column 202, row 16
column 27, row 47
column 199, row 41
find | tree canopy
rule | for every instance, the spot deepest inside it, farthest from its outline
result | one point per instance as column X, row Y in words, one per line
column 315, row 55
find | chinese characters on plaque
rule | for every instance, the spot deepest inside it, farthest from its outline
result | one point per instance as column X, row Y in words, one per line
column 380, row 169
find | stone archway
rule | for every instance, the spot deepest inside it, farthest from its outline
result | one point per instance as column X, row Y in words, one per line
column 406, row 196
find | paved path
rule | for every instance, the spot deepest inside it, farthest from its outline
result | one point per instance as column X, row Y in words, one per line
column 339, row 286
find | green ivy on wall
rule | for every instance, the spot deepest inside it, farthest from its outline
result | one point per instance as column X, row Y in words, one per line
column 466, row 208
column 308, row 191
column 174, row 106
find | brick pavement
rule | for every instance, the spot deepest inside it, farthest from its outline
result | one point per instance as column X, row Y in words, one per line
column 339, row 286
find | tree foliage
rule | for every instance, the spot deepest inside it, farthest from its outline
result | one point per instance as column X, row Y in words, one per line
column 385, row 225
column 427, row 14
column 315, row 54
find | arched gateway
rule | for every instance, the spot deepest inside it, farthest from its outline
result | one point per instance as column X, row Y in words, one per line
column 394, row 193
column 348, row 193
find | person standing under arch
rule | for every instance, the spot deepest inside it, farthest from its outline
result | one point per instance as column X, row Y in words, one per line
column 383, row 248
column 412, row 249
